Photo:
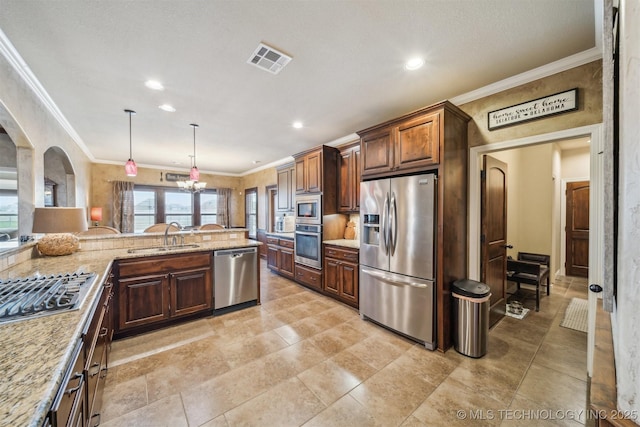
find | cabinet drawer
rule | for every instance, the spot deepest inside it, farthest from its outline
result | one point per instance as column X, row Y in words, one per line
column 272, row 240
column 309, row 276
column 286, row 243
column 340, row 253
column 163, row 264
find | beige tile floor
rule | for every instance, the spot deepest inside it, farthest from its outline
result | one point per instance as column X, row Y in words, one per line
column 303, row 359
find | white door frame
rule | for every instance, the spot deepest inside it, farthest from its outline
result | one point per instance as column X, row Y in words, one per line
column 596, row 209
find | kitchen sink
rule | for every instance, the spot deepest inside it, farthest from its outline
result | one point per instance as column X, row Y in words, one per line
column 162, row 248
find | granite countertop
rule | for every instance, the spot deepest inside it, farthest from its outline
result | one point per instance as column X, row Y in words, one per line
column 343, row 242
column 35, row 353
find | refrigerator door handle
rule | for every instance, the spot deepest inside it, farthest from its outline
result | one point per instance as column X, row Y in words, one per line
column 384, row 225
column 393, row 225
column 394, row 280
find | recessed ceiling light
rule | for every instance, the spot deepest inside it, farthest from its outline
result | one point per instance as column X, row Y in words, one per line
column 255, row 162
column 414, row 64
column 167, row 107
column 297, row 125
column 154, row 84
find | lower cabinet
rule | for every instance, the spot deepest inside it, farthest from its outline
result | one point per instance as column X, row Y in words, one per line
column 341, row 273
column 152, row 291
column 280, row 256
column 79, row 399
column 69, row 405
column 309, row 276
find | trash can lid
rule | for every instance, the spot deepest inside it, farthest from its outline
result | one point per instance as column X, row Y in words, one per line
column 471, row 288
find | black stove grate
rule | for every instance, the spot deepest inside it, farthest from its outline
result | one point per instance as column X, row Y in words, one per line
column 38, row 295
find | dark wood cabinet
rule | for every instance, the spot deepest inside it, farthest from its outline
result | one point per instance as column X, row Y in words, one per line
column 315, row 172
column 349, row 179
column 308, row 276
column 432, row 139
column 69, row 405
column 152, row 291
column 286, row 175
column 79, row 399
column 309, row 172
column 190, row 291
column 280, row 255
column 411, row 144
column 97, row 342
column 341, row 273
column 142, row 300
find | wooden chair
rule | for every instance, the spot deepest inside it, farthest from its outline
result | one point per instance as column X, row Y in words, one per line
column 212, row 227
column 160, row 228
column 98, row 230
column 530, row 269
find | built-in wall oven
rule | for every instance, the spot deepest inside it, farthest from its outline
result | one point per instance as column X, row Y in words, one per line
column 309, row 209
column 308, row 245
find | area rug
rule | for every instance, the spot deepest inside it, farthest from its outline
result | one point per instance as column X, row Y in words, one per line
column 575, row 316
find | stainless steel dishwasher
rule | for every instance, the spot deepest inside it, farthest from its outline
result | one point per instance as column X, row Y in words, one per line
column 235, row 277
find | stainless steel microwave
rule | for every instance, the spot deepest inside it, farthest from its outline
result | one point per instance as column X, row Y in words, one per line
column 309, row 209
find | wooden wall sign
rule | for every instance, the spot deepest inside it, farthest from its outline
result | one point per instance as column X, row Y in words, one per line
column 531, row 110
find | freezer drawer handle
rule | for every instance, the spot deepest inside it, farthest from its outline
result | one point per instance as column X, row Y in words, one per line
column 394, row 280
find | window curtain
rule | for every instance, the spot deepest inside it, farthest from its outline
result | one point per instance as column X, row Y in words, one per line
column 122, row 207
column 224, row 201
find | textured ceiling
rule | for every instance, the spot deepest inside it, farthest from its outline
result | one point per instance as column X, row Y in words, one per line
column 346, row 74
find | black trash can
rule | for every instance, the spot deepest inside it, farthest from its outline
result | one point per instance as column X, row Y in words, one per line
column 470, row 317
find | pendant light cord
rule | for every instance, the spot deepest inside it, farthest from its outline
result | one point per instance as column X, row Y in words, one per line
column 194, row 143
column 130, row 149
column 130, row 112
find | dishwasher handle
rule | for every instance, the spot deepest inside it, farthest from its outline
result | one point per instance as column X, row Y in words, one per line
column 235, row 253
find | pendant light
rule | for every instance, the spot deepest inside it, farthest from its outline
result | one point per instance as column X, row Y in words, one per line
column 194, row 175
column 130, row 167
column 193, row 185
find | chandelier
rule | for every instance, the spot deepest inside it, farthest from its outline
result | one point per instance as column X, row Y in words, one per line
column 192, row 184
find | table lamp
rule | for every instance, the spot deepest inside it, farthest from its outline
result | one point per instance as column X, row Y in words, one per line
column 96, row 216
column 58, row 223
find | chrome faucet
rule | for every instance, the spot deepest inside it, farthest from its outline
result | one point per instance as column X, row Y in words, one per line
column 166, row 232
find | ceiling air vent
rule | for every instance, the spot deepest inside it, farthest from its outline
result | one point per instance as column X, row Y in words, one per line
column 269, row 59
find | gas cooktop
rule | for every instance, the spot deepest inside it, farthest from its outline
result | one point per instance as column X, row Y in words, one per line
column 35, row 296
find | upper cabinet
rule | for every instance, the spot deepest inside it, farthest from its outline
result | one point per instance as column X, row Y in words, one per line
column 407, row 144
column 286, row 185
column 316, row 172
column 349, row 179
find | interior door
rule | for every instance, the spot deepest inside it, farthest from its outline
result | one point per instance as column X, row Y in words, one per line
column 577, row 229
column 493, row 239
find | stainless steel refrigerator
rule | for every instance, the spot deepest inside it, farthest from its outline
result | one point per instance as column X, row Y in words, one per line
column 397, row 262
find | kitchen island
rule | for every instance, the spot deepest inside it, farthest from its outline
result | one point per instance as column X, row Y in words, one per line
column 35, row 353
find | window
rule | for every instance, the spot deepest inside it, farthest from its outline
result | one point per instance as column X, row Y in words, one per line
column 251, row 211
column 153, row 205
column 178, row 207
column 144, row 209
column 8, row 211
column 208, row 208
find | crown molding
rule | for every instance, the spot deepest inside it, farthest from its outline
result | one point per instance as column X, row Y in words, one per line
column 20, row 66
column 547, row 70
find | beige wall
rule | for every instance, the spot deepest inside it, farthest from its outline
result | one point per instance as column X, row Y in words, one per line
column 33, row 129
column 529, row 199
column 102, row 175
column 587, row 78
column 261, row 180
column 576, row 163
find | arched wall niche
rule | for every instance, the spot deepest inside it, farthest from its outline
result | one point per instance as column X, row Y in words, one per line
column 59, row 171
